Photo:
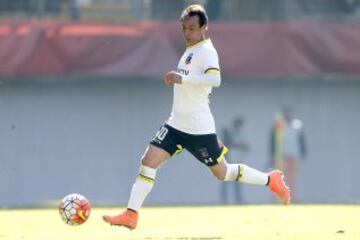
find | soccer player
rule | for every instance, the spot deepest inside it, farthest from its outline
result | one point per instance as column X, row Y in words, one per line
column 191, row 124
column 288, row 145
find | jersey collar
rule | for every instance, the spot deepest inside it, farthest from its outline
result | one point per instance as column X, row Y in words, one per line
column 198, row 43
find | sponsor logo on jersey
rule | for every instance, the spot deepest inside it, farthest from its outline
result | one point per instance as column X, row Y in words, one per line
column 182, row 71
column 188, row 58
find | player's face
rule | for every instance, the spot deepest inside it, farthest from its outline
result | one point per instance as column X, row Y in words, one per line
column 191, row 30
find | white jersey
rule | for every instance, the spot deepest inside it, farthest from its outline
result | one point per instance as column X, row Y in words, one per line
column 199, row 67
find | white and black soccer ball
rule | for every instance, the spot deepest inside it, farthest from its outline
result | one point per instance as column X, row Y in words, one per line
column 74, row 209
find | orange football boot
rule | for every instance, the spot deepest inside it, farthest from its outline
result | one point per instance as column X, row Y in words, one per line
column 127, row 219
column 278, row 186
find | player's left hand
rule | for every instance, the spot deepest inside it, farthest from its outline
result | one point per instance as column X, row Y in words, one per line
column 172, row 77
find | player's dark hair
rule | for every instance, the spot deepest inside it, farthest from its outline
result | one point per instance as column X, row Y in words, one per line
column 195, row 10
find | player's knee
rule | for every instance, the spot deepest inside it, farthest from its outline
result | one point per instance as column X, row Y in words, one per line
column 219, row 170
column 154, row 157
column 226, row 172
column 151, row 163
column 145, row 161
column 148, row 161
column 219, row 176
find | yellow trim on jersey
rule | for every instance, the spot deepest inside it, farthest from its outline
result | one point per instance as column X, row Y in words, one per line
column 178, row 150
column 212, row 71
column 224, row 151
column 197, row 43
column 146, row 179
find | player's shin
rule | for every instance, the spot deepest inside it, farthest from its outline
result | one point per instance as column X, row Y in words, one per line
column 246, row 174
column 142, row 187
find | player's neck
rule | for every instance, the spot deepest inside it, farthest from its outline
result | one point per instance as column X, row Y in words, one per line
column 203, row 39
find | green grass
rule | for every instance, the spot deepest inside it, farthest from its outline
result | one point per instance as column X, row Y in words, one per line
column 260, row 222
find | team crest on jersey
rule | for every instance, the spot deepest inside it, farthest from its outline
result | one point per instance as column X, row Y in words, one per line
column 188, row 58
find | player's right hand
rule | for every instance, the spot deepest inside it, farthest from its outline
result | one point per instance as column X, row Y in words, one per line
column 172, row 77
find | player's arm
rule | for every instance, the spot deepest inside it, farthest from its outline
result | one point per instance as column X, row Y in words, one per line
column 212, row 78
column 209, row 77
column 210, row 74
column 173, row 77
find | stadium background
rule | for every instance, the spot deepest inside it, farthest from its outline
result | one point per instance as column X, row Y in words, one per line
column 81, row 94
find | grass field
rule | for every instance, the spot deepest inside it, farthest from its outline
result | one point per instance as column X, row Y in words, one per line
column 318, row 222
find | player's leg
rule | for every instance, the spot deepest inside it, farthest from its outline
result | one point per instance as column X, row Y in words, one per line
column 243, row 173
column 150, row 161
column 161, row 147
column 238, row 172
column 210, row 151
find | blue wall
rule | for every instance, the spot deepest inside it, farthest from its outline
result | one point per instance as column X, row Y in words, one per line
column 58, row 137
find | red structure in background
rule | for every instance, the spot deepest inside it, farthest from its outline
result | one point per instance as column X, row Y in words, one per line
column 151, row 48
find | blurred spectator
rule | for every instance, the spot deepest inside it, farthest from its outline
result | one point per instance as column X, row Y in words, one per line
column 287, row 146
column 233, row 138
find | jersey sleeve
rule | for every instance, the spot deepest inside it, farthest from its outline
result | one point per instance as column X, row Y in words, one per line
column 211, row 62
column 210, row 71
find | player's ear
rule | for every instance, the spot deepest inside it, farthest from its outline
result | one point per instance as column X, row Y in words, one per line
column 205, row 28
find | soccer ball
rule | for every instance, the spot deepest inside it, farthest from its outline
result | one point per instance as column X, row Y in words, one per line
column 74, row 209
